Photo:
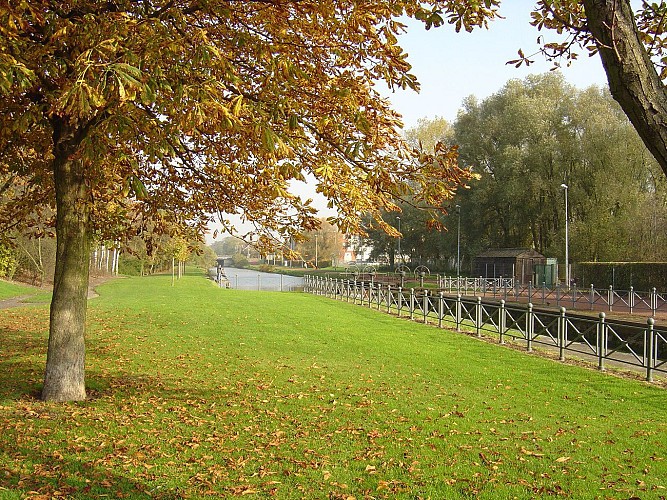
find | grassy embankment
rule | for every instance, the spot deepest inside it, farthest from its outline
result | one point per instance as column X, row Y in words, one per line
column 199, row 391
column 9, row 290
column 30, row 294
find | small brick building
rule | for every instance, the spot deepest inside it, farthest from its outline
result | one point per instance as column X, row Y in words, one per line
column 518, row 263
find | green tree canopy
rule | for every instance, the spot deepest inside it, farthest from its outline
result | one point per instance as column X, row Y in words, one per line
column 229, row 245
column 428, row 133
column 530, row 138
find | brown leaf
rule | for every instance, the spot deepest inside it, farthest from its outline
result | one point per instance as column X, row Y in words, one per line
column 531, row 453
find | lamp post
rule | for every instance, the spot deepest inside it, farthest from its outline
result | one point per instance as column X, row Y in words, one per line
column 567, row 242
column 399, row 238
column 316, row 266
column 458, row 243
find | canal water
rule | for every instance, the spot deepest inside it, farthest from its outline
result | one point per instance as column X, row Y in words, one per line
column 246, row 279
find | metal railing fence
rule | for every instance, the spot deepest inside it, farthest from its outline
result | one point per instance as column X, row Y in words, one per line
column 590, row 298
column 643, row 347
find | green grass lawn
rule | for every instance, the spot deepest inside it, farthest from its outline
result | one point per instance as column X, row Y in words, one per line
column 198, row 391
column 42, row 297
column 9, row 290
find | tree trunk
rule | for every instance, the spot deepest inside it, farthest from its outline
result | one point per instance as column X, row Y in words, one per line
column 633, row 80
column 64, row 377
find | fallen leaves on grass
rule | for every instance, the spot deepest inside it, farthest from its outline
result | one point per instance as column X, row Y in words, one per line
column 531, row 453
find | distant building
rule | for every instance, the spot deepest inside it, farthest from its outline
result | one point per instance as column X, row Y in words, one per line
column 355, row 250
column 518, row 263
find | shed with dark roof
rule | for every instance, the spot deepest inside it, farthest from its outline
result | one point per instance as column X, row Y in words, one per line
column 517, row 263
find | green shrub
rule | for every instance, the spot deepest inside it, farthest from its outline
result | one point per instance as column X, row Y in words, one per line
column 8, row 262
column 642, row 276
column 239, row 261
column 130, row 266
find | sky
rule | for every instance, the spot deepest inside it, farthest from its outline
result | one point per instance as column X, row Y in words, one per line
column 451, row 66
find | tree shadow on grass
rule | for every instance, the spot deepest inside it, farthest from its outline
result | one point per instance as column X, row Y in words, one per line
column 92, row 449
column 40, row 452
column 22, row 372
column 34, row 472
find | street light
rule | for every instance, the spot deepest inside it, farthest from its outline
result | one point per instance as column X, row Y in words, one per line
column 399, row 237
column 567, row 242
column 316, row 266
column 458, row 244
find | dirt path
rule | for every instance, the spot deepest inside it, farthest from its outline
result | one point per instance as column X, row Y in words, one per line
column 15, row 302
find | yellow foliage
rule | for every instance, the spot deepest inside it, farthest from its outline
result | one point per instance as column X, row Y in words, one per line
column 213, row 108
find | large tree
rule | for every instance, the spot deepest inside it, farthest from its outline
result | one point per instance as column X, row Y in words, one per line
column 632, row 46
column 196, row 108
column 211, row 107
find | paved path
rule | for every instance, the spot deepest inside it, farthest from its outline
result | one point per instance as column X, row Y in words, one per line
column 16, row 302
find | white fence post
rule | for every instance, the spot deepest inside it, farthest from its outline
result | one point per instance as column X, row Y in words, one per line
column 650, row 340
column 458, row 318
column 562, row 334
column 502, row 321
column 530, row 325
column 601, row 341
column 478, row 316
column 441, row 308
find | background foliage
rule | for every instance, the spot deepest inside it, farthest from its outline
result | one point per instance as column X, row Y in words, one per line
column 525, row 141
column 642, row 276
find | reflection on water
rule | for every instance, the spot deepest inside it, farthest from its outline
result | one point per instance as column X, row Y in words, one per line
column 246, row 279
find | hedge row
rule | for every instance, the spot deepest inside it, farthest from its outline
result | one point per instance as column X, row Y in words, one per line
column 642, row 276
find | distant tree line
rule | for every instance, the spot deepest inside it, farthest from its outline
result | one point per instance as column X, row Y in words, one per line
column 32, row 259
column 526, row 141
